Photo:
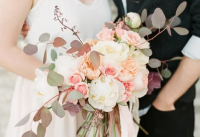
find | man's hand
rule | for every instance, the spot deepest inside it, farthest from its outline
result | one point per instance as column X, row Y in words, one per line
column 187, row 73
column 25, row 30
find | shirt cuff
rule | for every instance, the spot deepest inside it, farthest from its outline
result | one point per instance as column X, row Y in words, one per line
column 192, row 48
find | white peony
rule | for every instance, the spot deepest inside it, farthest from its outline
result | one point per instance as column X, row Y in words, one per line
column 133, row 20
column 113, row 52
column 65, row 66
column 139, row 56
column 105, row 92
column 44, row 90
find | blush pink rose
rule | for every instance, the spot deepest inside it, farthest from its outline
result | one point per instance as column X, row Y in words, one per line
column 140, row 81
column 106, row 34
column 110, row 70
column 82, row 88
column 86, row 67
column 75, row 78
column 129, row 70
column 131, row 38
column 119, row 32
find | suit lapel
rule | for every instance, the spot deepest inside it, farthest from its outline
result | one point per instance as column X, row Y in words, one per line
column 120, row 7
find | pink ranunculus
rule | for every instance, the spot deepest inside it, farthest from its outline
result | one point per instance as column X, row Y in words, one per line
column 86, row 67
column 82, row 88
column 119, row 32
column 106, row 34
column 110, row 70
column 75, row 77
column 129, row 70
column 129, row 86
column 131, row 38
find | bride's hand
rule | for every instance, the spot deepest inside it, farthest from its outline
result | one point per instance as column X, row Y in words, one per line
column 25, row 30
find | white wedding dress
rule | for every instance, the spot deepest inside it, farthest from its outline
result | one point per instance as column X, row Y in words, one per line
column 89, row 21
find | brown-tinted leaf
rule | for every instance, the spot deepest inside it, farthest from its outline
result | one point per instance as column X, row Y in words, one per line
column 158, row 18
column 147, row 52
column 84, row 114
column 59, row 42
column 169, row 31
column 44, row 37
column 176, row 21
column 37, row 117
column 85, row 49
column 71, row 50
column 46, row 117
column 148, row 21
column 181, row 8
column 29, row 134
column 23, row 121
column 41, row 131
column 154, row 63
column 109, row 25
column 73, row 109
column 95, row 59
column 64, row 98
column 181, row 31
column 76, row 44
column 45, row 56
column 30, row 49
column 166, row 73
column 144, row 31
column 82, row 102
column 54, row 79
column 58, row 109
column 144, row 15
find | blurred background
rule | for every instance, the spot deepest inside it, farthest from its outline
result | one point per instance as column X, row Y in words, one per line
column 7, row 83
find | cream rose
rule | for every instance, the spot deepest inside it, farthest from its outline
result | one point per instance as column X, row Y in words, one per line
column 112, row 51
column 65, row 65
column 133, row 20
column 44, row 90
column 104, row 93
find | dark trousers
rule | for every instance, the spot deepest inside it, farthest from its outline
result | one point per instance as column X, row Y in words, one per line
column 177, row 123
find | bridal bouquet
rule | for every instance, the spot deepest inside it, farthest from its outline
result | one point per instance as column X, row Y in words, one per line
column 101, row 78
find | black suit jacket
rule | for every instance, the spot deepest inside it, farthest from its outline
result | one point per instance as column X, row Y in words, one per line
column 165, row 47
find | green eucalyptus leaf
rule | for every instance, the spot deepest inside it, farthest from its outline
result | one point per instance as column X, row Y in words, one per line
column 75, row 95
column 29, row 134
column 46, row 117
column 44, row 37
column 88, row 108
column 144, row 15
column 122, row 104
column 147, row 52
column 166, row 73
column 41, row 131
column 55, row 79
column 158, row 18
column 181, row 8
column 58, row 109
column 177, row 58
column 51, row 67
column 23, row 121
column 144, row 31
column 181, row 31
column 53, row 55
column 154, row 63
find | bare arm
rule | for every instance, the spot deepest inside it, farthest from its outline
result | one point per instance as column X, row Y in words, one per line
column 13, row 14
column 187, row 73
